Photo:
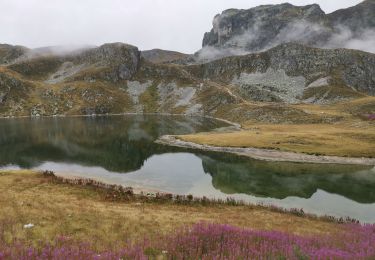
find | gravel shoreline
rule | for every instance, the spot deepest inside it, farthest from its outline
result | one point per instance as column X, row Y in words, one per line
column 266, row 154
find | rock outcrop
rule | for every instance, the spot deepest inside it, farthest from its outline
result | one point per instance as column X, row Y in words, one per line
column 122, row 59
column 9, row 53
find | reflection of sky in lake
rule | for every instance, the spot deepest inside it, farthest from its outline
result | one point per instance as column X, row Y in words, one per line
column 182, row 173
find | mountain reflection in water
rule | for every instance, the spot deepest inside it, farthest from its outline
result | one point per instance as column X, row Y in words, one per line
column 124, row 146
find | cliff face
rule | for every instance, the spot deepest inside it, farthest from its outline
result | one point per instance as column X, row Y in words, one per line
column 255, row 28
column 264, row 27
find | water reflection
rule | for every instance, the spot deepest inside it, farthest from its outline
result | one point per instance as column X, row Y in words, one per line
column 116, row 143
column 280, row 180
column 121, row 149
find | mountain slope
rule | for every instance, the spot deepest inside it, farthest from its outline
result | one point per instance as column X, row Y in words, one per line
column 293, row 71
column 113, row 78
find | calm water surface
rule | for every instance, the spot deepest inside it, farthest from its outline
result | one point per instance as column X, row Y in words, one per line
column 121, row 150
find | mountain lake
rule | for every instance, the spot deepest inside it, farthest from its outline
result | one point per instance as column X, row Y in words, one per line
column 121, row 150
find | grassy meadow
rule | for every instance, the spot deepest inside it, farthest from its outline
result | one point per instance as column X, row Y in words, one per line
column 84, row 221
column 352, row 135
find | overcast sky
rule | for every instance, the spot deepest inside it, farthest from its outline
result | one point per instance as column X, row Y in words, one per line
column 167, row 24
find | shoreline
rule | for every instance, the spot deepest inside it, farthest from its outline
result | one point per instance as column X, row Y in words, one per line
column 254, row 153
column 266, row 154
column 136, row 190
column 157, row 195
column 232, row 124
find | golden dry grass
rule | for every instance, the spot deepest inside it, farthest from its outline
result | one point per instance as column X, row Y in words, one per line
column 348, row 134
column 323, row 139
column 81, row 213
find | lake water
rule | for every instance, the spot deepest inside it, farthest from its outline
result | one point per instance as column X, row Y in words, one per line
column 121, row 150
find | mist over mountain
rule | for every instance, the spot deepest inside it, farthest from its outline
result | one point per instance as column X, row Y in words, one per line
column 238, row 32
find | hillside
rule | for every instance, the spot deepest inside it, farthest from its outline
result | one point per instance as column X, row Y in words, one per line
column 114, row 78
column 290, row 83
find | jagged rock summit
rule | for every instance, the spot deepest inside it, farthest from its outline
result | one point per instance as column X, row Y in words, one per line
column 266, row 26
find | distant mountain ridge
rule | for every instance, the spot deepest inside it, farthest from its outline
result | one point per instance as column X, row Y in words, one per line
column 264, row 86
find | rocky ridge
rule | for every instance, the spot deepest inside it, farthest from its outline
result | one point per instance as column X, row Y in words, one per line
column 113, row 78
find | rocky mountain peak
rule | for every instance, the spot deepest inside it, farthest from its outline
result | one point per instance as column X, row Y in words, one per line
column 252, row 29
column 110, row 53
column 266, row 26
column 122, row 58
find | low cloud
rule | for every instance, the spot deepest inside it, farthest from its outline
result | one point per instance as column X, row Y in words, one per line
column 258, row 39
column 209, row 53
column 345, row 38
column 62, row 50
